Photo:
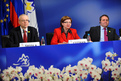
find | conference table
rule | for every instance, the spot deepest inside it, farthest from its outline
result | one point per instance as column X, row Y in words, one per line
column 57, row 55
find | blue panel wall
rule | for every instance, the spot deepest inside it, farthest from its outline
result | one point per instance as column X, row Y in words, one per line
column 84, row 14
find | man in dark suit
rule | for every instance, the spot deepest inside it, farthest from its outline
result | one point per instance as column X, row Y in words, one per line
column 23, row 33
column 97, row 33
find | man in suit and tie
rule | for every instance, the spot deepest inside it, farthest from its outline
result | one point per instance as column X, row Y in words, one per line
column 102, row 32
column 23, row 33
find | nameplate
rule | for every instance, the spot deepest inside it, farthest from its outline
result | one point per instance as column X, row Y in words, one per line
column 28, row 44
column 77, row 41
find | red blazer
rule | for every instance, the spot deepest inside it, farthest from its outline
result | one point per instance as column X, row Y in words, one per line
column 59, row 37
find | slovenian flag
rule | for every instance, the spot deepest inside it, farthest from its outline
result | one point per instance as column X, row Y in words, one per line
column 16, row 9
column 29, row 7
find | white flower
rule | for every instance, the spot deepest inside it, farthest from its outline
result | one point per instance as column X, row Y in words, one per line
column 115, row 74
column 75, row 78
column 98, row 70
column 48, row 78
column 66, row 77
column 90, row 59
column 57, row 71
column 37, row 72
column 68, row 69
column 105, row 63
column 5, row 78
column 110, row 68
column 116, row 68
column 84, row 76
column 18, row 69
column 74, row 69
column 21, row 76
column 98, row 77
column 30, row 72
column 119, row 60
column 84, row 64
column 109, row 54
column 92, row 67
column 113, row 64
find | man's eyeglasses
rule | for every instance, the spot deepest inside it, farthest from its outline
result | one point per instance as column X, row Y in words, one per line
column 67, row 22
column 25, row 20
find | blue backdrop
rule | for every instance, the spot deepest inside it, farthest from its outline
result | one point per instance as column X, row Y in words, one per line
column 84, row 14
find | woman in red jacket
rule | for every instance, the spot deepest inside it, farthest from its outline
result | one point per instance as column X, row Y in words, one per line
column 64, row 33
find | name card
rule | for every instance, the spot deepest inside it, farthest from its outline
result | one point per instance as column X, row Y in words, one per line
column 28, row 44
column 77, row 41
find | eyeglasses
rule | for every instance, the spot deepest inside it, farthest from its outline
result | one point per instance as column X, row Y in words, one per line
column 25, row 20
column 67, row 22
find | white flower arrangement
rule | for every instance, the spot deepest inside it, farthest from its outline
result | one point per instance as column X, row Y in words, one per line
column 109, row 64
column 78, row 72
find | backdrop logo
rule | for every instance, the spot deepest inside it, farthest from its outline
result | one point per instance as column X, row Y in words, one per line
column 30, row 6
column 23, row 61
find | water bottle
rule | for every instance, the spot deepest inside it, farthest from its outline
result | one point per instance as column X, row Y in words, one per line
column 120, row 38
column 42, row 41
column 88, row 38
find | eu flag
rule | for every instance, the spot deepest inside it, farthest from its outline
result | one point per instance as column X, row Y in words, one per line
column 4, row 17
column 10, row 10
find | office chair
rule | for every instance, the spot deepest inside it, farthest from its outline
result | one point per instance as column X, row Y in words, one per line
column 5, row 39
column 49, row 37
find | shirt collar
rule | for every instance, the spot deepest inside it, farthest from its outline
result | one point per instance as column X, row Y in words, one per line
column 62, row 30
column 22, row 29
column 102, row 28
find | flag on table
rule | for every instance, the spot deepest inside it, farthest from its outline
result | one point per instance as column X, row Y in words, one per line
column 30, row 11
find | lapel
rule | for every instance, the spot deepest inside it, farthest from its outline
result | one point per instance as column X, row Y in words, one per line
column 63, row 36
column 70, row 36
column 29, row 34
column 98, row 32
column 19, row 34
column 109, row 32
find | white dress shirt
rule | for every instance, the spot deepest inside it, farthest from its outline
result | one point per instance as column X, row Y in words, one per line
column 102, row 33
column 22, row 31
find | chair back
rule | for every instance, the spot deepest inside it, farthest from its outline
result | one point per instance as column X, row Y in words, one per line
column 120, row 32
column 5, row 39
column 49, row 37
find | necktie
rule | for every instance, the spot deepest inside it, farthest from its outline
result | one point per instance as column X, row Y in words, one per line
column 105, row 35
column 25, row 37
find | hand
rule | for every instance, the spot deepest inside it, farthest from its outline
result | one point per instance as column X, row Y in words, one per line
column 63, row 43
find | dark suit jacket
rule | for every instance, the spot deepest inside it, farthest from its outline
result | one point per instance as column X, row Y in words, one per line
column 95, row 34
column 16, row 37
column 120, row 31
column 60, row 37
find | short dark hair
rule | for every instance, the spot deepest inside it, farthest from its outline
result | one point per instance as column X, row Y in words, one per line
column 63, row 19
column 102, row 16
